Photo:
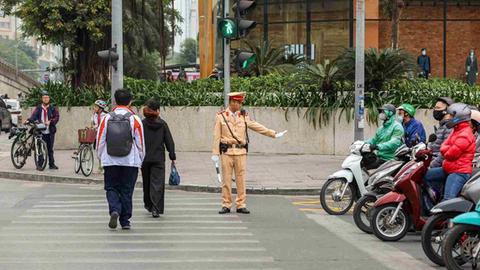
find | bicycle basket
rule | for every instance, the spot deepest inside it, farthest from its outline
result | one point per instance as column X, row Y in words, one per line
column 40, row 127
column 86, row 135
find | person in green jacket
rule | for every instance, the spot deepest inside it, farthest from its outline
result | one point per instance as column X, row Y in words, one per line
column 388, row 137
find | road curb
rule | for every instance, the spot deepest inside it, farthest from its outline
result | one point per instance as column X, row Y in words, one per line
column 191, row 188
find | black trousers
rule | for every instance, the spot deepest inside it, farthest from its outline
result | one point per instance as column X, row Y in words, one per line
column 153, row 174
column 119, row 185
column 50, row 140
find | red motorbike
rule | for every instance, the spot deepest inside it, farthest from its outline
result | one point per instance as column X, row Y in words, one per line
column 394, row 213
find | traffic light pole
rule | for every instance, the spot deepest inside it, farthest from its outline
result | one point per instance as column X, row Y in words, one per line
column 360, row 72
column 226, row 57
column 117, row 42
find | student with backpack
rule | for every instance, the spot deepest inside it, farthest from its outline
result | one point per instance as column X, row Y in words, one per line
column 157, row 139
column 121, row 148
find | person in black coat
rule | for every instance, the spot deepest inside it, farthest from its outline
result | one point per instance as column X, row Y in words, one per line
column 157, row 139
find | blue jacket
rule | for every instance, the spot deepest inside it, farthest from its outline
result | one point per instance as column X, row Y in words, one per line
column 423, row 62
column 413, row 128
column 52, row 113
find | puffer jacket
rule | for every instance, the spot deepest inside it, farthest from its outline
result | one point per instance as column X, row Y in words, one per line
column 442, row 134
column 459, row 150
column 388, row 139
column 414, row 132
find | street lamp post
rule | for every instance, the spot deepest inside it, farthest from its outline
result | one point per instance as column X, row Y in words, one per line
column 360, row 72
column 117, row 42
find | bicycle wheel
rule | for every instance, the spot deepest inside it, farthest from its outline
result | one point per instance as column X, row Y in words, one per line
column 76, row 157
column 40, row 154
column 86, row 160
column 18, row 153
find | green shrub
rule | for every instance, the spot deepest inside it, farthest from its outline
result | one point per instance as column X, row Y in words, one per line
column 293, row 91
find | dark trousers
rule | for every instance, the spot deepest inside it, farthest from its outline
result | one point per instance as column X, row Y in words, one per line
column 154, row 186
column 119, row 185
column 50, row 140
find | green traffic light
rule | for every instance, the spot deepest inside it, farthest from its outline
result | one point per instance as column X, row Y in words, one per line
column 249, row 61
column 227, row 28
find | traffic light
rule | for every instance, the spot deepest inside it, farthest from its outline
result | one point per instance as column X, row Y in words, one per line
column 237, row 27
column 227, row 28
column 110, row 55
column 241, row 7
column 244, row 60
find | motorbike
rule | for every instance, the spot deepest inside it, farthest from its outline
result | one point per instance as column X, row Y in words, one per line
column 379, row 184
column 346, row 186
column 393, row 213
column 433, row 232
column 462, row 241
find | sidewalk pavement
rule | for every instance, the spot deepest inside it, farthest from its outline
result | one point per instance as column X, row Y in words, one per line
column 266, row 174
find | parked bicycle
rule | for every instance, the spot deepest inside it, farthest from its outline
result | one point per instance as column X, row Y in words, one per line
column 29, row 140
column 84, row 159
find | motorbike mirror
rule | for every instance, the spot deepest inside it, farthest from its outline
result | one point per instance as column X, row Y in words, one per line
column 432, row 138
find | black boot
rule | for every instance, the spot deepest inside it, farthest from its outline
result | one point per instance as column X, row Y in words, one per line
column 224, row 210
column 155, row 213
column 243, row 211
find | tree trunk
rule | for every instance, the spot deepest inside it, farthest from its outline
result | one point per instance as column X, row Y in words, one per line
column 89, row 69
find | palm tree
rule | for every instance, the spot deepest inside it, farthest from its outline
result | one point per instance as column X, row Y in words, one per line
column 393, row 10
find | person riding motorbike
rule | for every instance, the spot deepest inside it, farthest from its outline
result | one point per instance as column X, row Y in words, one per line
column 458, row 152
column 414, row 131
column 388, row 137
column 442, row 132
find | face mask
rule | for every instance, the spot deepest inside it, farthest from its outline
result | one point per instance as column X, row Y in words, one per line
column 452, row 123
column 382, row 116
column 438, row 114
column 400, row 119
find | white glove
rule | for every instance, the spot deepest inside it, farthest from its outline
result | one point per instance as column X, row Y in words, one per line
column 215, row 158
column 280, row 134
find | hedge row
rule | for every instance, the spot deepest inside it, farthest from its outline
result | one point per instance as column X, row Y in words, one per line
column 267, row 91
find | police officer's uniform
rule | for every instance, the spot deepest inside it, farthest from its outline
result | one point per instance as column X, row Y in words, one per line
column 231, row 142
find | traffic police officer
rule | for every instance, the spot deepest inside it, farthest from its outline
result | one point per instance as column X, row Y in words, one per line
column 231, row 142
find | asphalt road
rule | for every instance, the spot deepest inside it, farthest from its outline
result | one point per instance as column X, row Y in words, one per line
column 58, row 226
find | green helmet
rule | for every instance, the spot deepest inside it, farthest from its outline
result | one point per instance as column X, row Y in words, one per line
column 408, row 108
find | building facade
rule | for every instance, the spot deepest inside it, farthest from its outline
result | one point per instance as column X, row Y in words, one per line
column 321, row 29
column 48, row 55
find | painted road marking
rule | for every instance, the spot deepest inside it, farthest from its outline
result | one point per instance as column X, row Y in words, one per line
column 40, row 210
column 219, row 259
column 136, row 222
column 167, row 216
column 106, row 205
column 137, row 228
column 124, row 234
column 119, row 241
column 134, row 250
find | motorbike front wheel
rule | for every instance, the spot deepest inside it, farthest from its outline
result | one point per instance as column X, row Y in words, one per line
column 459, row 244
column 433, row 234
column 387, row 229
column 362, row 213
column 331, row 196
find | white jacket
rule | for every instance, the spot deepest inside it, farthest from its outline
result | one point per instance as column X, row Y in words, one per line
column 136, row 156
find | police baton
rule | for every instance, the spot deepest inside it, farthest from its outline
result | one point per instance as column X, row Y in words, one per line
column 215, row 160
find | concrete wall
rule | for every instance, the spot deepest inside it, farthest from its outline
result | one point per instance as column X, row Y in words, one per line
column 192, row 130
column 13, row 82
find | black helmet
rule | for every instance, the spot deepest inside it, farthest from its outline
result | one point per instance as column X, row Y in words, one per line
column 389, row 110
column 44, row 93
column 446, row 100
